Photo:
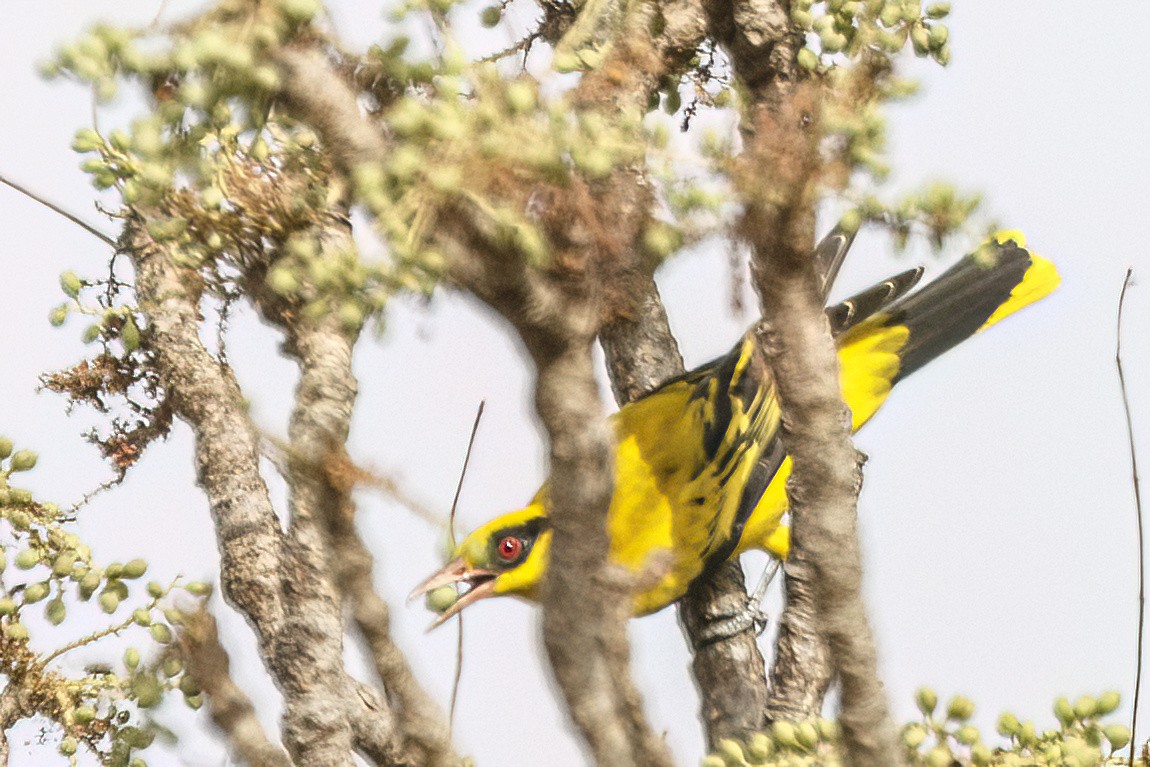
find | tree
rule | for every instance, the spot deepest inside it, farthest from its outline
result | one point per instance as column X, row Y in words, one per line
column 236, row 187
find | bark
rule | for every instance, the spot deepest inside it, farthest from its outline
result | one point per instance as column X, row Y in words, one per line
column 278, row 582
column 641, row 353
column 802, row 671
column 207, row 397
column 729, row 671
column 762, row 48
column 230, row 707
column 317, row 687
column 586, row 601
column 783, row 132
column 326, row 547
column 11, row 711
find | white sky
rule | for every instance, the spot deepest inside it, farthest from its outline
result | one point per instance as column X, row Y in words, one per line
column 997, row 515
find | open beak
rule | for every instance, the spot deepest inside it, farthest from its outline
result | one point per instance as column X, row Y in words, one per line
column 479, row 584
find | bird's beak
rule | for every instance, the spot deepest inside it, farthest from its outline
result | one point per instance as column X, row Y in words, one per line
column 480, row 584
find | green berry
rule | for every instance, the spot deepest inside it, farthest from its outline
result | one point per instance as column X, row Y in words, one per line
column 172, row 666
column 939, row 756
column 1085, row 707
column 71, row 284
column 807, row 735
column 920, row 39
column 17, row 632
column 914, row 735
column 490, row 16
column 1117, row 734
column 937, row 10
column 27, row 559
column 1063, row 711
column 109, row 601
column 939, row 34
column 731, row 751
column 188, row 686
column 808, row 59
column 927, row 700
column 199, row 588
column 967, row 735
column 56, row 611
column 784, row 734
column 960, row 708
column 23, row 460
column 440, row 599
column 87, row 140
column 1108, row 702
column 1008, row 725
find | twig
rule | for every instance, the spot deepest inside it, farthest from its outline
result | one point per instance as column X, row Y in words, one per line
column 107, row 484
column 1138, row 510
column 284, row 459
column 451, row 533
column 57, row 209
column 95, row 636
column 231, row 709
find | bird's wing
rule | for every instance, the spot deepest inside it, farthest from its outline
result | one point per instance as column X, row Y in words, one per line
column 699, row 437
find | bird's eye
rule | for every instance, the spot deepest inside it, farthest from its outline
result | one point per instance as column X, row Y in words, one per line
column 510, row 548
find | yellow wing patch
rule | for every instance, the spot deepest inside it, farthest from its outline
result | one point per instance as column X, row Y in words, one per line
column 868, row 363
column 1039, row 281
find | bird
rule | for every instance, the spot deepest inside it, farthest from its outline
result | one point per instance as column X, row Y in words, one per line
column 700, row 465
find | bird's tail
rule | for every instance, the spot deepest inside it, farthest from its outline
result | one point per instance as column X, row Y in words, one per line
column 995, row 281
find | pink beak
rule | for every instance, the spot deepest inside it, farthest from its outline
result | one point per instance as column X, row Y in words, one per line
column 480, row 584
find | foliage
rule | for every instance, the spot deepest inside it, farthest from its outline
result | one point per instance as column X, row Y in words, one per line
column 945, row 738
column 50, row 579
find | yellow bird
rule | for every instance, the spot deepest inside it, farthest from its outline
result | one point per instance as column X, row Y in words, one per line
column 700, row 470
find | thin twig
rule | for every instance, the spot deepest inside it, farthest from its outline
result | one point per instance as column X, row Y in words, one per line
column 95, row 636
column 57, row 209
column 107, row 484
column 280, row 454
column 230, row 707
column 451, row 533
column 1138, row 510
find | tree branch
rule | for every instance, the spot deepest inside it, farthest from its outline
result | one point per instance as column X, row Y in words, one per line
column 586, row 600
column 300, row 638
column 802, row 670
column 795, row 336
column 327, row 550
column 206, row 396
column 230, row 707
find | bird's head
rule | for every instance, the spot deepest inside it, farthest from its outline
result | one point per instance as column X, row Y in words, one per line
column 508, row 555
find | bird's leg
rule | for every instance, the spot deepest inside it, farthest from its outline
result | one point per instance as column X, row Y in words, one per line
column 751, row 615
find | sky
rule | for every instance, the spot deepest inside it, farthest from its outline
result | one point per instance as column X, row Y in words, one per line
column 997, row 515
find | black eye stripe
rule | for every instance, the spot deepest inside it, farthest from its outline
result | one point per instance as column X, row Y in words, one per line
column 526, row 533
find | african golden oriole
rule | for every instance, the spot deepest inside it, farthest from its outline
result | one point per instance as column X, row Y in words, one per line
column 700, row 471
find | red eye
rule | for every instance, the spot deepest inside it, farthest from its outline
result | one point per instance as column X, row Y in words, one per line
column 510, row 548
